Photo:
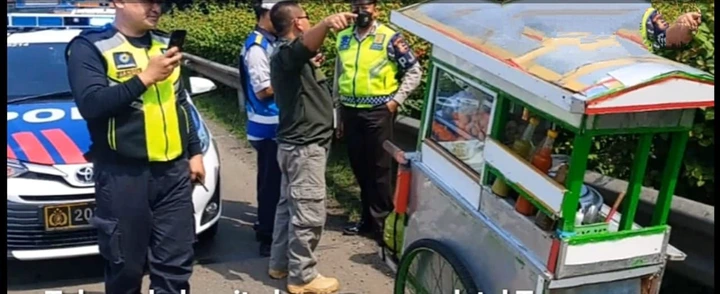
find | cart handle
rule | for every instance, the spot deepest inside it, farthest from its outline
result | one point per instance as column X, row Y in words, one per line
column 395, row 151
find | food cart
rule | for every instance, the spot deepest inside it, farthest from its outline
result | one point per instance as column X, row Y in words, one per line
column 494, row 204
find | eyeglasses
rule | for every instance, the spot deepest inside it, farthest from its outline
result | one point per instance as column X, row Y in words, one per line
column 303, row 17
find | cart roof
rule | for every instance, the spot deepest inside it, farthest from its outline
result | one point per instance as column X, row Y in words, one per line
column 592, row 51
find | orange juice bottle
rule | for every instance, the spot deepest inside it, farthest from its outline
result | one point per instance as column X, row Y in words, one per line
column 521, row 147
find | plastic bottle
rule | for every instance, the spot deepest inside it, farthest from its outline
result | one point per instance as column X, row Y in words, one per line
column 542, row 160
column 521, row 147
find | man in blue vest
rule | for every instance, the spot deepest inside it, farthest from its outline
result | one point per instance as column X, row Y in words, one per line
column 262, row 122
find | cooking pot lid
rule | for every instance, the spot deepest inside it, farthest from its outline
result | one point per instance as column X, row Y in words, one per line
column 584, row 191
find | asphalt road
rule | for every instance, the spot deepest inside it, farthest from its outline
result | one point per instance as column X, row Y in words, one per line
column 230, row 261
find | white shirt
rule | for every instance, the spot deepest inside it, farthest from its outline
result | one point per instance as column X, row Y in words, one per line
column 258, row 64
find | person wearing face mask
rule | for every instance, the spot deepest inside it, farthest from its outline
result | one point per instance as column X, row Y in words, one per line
column 145, row 150
column 304, row 135
column 376, row 71
column 262, row 114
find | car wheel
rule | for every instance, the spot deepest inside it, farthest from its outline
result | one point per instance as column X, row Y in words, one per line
column 210, row 233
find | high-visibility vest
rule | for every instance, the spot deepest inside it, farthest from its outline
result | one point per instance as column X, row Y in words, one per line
column 155, row 127
column 262, row 114
column 368, row 77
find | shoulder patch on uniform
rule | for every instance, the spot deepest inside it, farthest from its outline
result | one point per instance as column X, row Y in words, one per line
column 258, row 39
column 124, row 60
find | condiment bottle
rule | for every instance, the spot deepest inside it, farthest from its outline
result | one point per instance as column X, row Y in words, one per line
column 521, row 147
column 542, row 160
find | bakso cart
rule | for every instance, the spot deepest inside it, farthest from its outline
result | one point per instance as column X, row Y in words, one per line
column 516, row 97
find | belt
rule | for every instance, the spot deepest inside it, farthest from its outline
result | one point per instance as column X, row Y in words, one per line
column 365, row 102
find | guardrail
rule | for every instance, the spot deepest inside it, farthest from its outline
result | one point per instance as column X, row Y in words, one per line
column 693, row 223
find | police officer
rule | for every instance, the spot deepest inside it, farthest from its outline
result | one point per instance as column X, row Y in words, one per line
column 377, row 71
column 145, row 148
column 262, row 113
column 658, row 34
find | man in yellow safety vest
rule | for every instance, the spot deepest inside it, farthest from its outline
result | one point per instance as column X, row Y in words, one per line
column 376, row 71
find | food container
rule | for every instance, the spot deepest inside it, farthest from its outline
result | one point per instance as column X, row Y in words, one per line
column 465, row 150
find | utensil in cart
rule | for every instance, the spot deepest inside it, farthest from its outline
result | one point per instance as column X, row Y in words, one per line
column 615, row 206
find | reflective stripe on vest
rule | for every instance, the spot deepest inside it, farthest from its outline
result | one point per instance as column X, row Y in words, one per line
column 262, row 115
column 163, row 141
column 368, row 77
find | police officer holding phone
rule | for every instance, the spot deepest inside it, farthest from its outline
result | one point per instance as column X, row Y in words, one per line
column 376, row 71
column 145, row 150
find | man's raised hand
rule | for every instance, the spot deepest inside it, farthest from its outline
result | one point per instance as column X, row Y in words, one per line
column 339, row 21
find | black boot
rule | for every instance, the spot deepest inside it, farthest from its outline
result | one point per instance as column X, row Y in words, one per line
column 265, row 248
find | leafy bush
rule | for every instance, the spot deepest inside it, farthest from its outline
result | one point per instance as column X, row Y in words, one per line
column 217, row 29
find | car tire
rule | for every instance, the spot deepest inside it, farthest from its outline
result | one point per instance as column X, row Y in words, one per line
column 210, row 233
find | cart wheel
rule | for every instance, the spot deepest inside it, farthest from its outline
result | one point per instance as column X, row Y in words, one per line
column 430, row 267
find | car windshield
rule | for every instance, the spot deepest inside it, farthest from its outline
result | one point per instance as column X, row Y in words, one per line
column 36, row 69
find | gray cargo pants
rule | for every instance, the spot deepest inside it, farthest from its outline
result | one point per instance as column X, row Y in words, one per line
column 300, row 214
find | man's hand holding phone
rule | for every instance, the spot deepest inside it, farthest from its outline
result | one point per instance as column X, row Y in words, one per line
column 161, row 66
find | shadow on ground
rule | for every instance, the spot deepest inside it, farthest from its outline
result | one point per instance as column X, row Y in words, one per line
column 233, row 253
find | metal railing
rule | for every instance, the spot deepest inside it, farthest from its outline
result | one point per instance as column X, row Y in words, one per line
column 693, row 223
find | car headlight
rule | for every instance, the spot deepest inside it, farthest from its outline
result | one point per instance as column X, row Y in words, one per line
column 204, row 138
column 15, row 168
column 202, row 131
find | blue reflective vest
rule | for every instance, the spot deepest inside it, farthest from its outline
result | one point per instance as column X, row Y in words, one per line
column 262, row 114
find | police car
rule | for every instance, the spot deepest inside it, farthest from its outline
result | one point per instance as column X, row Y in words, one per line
column 50, row 194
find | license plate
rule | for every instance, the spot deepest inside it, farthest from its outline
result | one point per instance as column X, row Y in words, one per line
column 68, row 216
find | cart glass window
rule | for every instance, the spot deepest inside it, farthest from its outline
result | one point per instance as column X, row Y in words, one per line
column 461, row 120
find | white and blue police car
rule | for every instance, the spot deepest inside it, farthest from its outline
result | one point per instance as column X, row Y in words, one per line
column 50, row 194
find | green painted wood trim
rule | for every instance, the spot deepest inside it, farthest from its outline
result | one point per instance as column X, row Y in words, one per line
column 533, row 110
column 635, row 183
column 669, row 178
column 614, row 236
column 427, row 108
column 632, row 131
column 575, row 180
column 539, row 205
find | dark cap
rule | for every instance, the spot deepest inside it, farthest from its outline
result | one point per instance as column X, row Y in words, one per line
column 363, row 2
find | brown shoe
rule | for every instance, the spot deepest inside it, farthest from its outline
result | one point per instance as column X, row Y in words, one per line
column 320, row 285
column 274, row 274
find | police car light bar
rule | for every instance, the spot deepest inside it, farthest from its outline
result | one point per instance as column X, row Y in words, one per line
column 59, row 20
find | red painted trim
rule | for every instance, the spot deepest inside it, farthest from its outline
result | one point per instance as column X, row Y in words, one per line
column 10, row 153
column 649, row 107
column 554, row 252
column 32, row 147
column 68, row 150
column 643, row 85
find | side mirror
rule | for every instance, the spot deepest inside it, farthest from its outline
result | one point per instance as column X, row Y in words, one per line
column 200, row 85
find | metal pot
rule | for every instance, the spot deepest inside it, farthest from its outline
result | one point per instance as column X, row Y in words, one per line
column 591, row 203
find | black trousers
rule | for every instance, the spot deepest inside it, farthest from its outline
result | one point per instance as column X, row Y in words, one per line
column 144, row 215
column 365, row 131
column 268, row 187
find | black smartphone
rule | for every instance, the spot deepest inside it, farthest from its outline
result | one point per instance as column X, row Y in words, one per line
column 177, row 39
